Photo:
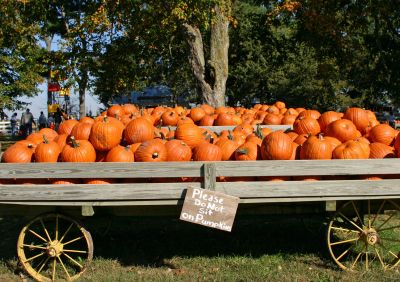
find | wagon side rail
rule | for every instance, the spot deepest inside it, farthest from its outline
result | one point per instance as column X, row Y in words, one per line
column 173, row 193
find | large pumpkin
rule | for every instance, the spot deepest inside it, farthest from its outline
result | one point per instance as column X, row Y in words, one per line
column 82, row 130
column 249, row 151
column 382, row 133
column 191, row 134
column 47, row 151
column 326, row 118
column 381, row 151
column 359, row 117
column 207, row 152
column 151, row 151
column 178, row 151
column 138, row 131
column 120, row 154
column 306, row 125
column 78, row 151
column 17, row 153
column 277, row 146
column 66, row 126
column 316, row 148
column 342, row 129
column 228, row 147
column 105, row 134
column 351, row 150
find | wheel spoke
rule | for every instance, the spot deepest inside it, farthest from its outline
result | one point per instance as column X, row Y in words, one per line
column 37, row 235
column 358, row 215
column 390, row 239
column 74, row 261
column 380, row 226
column 63, row 266
column 56, row 228
column 379, row 257
column 344, row 229
column 73, row 240
column 32, row 258
column 44, row 263
column 366, row 258
column 45, row 230
column 342, row 254
column 369, row 217
column 390, row 252
column 389, row 228
column 344, row 241
column 34, row 247
column 351, row 222
column 66, row 232
column 53, row 275
column 378, row 212
column 75, row 251
column 356, row 259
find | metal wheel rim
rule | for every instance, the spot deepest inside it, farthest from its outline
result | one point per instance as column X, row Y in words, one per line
column 51, row 244
column 367, row 243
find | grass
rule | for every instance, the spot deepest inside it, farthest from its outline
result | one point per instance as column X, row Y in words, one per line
column 165, row 249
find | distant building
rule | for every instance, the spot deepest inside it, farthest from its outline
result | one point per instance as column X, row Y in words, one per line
column 159, row 95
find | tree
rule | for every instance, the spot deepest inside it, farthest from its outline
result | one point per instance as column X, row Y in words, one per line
column 19, row 53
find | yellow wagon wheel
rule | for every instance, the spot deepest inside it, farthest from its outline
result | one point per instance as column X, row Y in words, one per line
column 54, row 247
column 365, row 235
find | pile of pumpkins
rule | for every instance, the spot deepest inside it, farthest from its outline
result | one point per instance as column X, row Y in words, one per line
column 125, row 133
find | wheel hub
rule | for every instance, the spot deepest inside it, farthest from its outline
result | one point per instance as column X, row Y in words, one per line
column 55, row 248
column 371, row 237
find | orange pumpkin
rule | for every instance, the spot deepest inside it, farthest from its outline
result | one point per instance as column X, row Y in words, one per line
column 78, row 151
column 277, row 146
column 120, row 154
column 106, row 134
column 151, row 151
column 342, row 129
column 138, row 131
column 47, row 151
column 178, row 151
column 316, row 148
column 306, row 125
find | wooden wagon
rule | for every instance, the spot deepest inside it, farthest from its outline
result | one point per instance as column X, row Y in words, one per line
column 363, row 231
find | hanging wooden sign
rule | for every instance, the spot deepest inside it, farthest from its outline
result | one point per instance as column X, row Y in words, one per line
column 209, row 208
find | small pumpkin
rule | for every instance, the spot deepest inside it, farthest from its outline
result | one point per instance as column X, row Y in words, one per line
column 17, row 153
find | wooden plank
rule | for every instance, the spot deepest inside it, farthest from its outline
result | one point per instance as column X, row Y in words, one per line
column 309, row 167
column 209, row 176
column 193, row 169
column 103, row 170
column 322, row 190
column 283, row 200
column 218, row 129
column 94, row 193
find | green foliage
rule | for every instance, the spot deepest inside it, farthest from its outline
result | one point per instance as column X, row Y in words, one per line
column 19, row 72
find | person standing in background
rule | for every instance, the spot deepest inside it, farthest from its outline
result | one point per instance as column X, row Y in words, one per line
column 42, row 121
column 13, row 122
column 26, row 121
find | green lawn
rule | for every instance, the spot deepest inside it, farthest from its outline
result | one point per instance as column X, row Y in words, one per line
column 165, row 249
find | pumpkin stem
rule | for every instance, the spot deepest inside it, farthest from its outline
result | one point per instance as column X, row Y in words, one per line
column 154, row 155
column 259, row 133
column 46, row 141
column 74, row 143
column 230, row 136
column 242, row 151
column 105, row 119
column 128, row 147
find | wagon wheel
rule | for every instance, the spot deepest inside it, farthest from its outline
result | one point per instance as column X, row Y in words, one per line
column 54, row 247
column 363, row 236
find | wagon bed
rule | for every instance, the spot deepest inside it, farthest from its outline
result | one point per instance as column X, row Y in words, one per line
column 362, row 205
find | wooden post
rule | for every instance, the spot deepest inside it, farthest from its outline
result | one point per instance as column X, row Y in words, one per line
column 87, row 211
column 209, row 176
column 330, row 206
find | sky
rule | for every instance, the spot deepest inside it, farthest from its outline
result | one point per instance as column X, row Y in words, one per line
column 39, row 103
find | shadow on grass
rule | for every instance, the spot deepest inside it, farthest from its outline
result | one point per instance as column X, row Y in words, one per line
column 153, row 241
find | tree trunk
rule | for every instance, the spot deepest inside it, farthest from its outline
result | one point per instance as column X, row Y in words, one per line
column 82, row 90
column 48, row 40
column 211, row 77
